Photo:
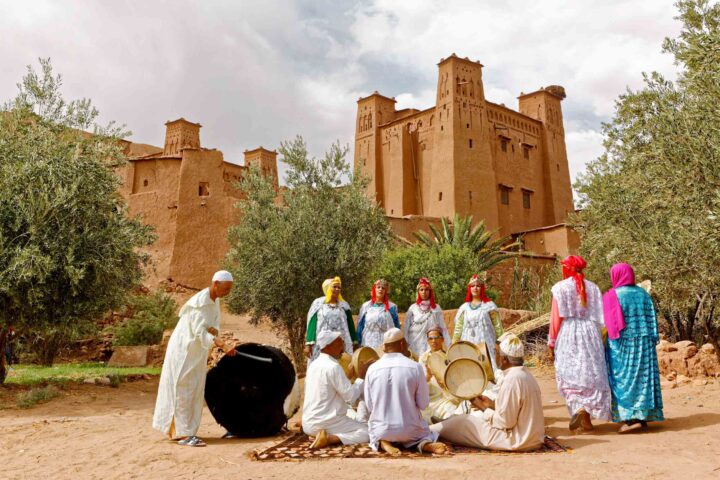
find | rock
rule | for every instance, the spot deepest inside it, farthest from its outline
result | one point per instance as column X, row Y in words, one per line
column 703, row 364
column 166, row 337
column 671, row 376
column 689, row 352
column 682, row 379
column 683, row 344
column 663, row 346
column 700, row 382
column 102, row 381
column 90, row 381
column 129, row 357
column 708, row 348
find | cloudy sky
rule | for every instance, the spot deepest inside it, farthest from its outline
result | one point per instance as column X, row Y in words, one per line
column 259, row 72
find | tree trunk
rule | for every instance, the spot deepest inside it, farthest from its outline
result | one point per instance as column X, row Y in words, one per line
column 712, row 330
column 3, row 364
column 49, row 348
column 296, row 337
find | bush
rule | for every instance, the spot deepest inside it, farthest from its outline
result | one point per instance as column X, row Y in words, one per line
column 448, row 268
column 37, row 395
column 152, row 314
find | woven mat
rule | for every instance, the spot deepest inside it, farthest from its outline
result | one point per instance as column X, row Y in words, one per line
column 296, row 447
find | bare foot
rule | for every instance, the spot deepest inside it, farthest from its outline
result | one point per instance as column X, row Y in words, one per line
column 320, row 441
column 585, row 421
column 625, row 428
column 389, row 448
column 435, row 447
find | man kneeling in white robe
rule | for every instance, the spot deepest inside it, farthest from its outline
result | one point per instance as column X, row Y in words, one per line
column 327, row 393
column 514, row 421
column 181, row 392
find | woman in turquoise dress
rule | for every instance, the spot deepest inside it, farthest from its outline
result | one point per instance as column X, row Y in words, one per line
column 632, row 362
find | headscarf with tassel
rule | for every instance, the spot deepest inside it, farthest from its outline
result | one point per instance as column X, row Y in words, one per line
column 328, row 290
column 475, row 280
column 373, row 294
column 425, row 282
column 573, row 266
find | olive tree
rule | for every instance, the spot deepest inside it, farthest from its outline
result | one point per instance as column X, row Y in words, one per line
column 653, row 198
column 286, row 243
column 68, row 250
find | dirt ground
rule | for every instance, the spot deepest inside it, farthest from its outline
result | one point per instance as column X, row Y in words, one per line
column 95, row 432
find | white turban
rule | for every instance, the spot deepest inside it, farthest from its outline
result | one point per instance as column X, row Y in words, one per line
column 222, row 276
column 393, row 335
column 326, row 337
column 512, row 346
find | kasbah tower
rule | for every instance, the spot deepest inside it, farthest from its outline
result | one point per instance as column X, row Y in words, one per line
column 470, row 156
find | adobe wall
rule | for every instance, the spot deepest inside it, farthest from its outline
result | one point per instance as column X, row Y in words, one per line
column 405, row 226
column 501, row 276
column 559, row 240
column 150, row 189
column 203, row 218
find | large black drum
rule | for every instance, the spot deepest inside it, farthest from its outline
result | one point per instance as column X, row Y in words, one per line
column 246, row 395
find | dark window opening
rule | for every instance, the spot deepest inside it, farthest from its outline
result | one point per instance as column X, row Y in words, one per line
column 470, row 143
column 526, row 199
column 467, row 125
column 503, row 145
column 204, row 189
column 526, row 153
column 441, row 128
column 145, row 183
column 558, row 166
column 440, row 197
column 505, row 195
column 470, row 195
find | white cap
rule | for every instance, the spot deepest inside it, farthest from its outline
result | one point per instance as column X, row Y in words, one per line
column 326, row 337
column 512, row 346
column 222, row 276
column 393, row 335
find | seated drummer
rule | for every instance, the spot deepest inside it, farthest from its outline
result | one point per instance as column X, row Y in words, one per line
column 327, row 393
column 442, row 404
column 514, row 421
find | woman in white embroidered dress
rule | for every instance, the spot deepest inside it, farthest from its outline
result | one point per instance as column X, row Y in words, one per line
column 377, row 316
column 477, row 320
column 420, row 317
column 331, row 314
column 575, row 341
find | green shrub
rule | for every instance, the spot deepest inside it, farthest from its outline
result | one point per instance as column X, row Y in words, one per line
column 152, row 314
column 448, row 268
column 37, row 395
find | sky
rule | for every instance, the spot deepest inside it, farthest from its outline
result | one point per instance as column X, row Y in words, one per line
column 255, row 73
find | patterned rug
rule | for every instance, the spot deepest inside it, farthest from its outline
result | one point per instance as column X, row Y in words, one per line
column 296, row 447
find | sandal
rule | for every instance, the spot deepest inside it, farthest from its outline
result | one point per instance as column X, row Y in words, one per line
column 192, row 441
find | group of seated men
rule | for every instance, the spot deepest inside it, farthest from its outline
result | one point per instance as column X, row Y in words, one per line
column 394, row 390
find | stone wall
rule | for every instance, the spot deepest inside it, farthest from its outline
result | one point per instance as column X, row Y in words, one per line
column 685, row 359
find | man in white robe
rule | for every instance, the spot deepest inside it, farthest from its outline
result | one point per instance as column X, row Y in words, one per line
column 514, row 421
column 396, row 393
column 181, row 392
column 327, row 393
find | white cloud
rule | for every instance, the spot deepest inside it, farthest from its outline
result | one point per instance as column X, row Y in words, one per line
column 261, row 71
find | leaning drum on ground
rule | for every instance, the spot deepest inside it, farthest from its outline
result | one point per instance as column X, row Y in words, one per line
column 362, row 355
column 465, row 378
column 436, row 364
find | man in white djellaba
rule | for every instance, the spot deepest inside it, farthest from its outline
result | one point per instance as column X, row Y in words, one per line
column 181, row 391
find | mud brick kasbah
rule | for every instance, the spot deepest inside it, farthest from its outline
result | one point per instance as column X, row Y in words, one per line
column 463, row 155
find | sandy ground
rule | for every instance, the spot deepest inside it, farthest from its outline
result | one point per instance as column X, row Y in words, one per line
column 94, row 432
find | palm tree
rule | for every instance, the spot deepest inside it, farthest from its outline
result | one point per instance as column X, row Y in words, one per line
column 460, row 233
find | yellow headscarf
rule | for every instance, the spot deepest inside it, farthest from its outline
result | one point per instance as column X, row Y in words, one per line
column 328, row 291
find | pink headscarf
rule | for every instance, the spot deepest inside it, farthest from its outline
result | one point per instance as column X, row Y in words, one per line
column 621, row 274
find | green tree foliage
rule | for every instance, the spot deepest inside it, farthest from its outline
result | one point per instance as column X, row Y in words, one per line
column 448, row 256
column 285, row 246
column 653, row 198
column 151, row 316
column 67, row 248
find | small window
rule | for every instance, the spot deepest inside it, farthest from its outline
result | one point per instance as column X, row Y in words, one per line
column 145, row 183
column 526, row 152
column 467, row 125
column 558, row 166
column 505, row 195
column 526, row 198
column 470, row 143
column 364, row 162
column 470, row 195
column 440, row 197
column 204, row 189
column 503, row 145
column 441, row 128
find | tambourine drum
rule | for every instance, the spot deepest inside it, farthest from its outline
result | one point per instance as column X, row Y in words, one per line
column 245, row 393
column 479, row 352
column 465, row 378
column 436, row 365
column 362, row 355
column 345, row 361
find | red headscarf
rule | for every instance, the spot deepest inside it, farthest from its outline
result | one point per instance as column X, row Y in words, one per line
column 476, row 280
column 425, row 282
column 373, row 294
column 573, row 266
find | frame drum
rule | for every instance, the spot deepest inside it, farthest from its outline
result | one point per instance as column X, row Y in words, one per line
column 465, row 378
